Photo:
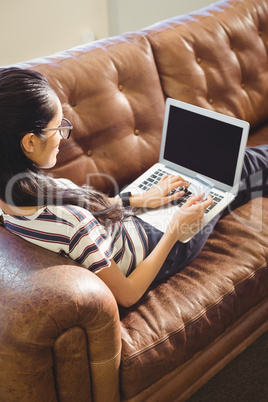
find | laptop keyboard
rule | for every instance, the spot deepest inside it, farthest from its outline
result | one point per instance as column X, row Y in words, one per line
column 159, row 173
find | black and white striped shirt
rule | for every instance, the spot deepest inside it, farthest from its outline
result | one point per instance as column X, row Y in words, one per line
column 74, row 232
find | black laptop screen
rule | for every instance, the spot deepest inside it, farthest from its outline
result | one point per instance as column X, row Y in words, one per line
column 207, row 146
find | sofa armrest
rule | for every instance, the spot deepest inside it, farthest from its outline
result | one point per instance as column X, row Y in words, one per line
column 60, row 333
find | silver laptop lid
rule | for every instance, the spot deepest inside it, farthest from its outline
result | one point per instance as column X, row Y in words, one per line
column 200, row 141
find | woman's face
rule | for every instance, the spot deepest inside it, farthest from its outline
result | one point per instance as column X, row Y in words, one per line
column 43, row 150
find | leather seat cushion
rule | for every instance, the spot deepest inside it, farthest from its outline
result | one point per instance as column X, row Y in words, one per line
column 183, row 315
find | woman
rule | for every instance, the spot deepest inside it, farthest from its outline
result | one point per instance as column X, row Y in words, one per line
column 82, row 223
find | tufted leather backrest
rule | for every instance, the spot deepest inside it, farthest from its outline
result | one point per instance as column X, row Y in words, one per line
column 217, row 58
column 110, row 91
column 114, row 90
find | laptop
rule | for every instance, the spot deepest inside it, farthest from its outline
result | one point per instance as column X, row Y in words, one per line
column 204, row 147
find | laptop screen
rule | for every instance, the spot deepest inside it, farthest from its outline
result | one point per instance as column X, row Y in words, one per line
column 203, row 144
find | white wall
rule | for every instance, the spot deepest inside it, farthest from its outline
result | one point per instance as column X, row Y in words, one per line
column 35, row 28
column 130, row 15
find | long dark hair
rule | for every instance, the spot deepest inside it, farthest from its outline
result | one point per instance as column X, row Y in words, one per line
column 27, row 105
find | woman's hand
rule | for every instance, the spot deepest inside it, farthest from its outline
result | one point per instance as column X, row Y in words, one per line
column 189, row 216
column 160, row 194
column 128, row 290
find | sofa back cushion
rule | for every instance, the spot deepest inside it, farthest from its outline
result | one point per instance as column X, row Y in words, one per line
column 217, row 58
column 111, row 93
column 114, row 90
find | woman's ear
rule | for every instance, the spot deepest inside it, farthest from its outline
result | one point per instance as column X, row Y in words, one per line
column 28, row 143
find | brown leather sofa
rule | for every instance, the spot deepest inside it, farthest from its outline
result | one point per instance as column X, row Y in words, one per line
column 62, row 336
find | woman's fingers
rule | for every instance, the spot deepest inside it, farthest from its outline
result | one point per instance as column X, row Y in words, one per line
column 170, row 188
column 198, row 202
column 174, row 196
column 169, row 183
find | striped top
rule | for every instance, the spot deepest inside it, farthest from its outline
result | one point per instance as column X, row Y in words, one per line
column 74, row 232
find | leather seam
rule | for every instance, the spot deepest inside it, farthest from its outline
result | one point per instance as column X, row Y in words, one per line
column 106, row 361
column 202, row 313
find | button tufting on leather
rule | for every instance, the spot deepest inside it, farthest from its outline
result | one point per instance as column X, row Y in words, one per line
column 89, row 152
column 73, row 103
column 136, row 132
column 198, row 60
column 211, row 101
column 243, row 85
column 120, row 87
column 260, row 33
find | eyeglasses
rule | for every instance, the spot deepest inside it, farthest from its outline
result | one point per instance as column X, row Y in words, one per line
column 65, row 128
